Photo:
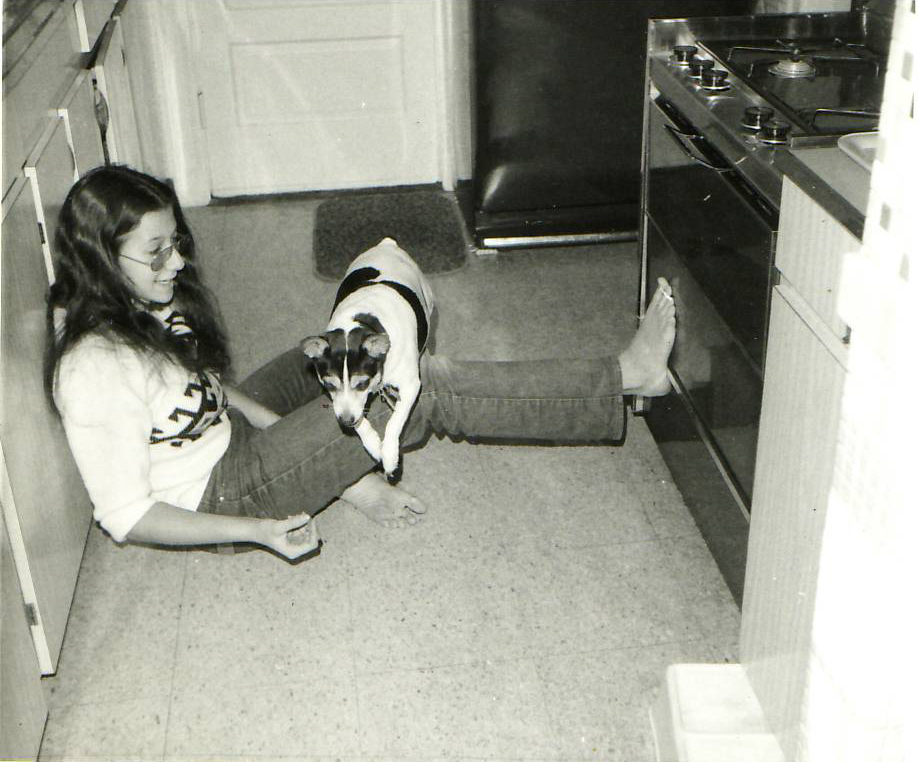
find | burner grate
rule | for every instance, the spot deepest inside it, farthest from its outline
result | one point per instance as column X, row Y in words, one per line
column 823, row 87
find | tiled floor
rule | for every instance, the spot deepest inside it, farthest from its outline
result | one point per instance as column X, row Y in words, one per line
column 530, row 616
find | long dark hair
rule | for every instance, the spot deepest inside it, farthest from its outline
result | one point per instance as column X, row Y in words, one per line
column 101, row 208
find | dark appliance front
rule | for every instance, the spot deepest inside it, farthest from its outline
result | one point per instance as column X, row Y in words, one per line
column 558, row 92
column 725, row 97
column 711, row 235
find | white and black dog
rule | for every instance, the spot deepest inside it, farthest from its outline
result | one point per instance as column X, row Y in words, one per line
column 377, row 331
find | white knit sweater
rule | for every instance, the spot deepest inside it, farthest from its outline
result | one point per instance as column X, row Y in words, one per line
column 140, row 432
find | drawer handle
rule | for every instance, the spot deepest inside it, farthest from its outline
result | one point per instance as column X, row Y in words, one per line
column 678, row 136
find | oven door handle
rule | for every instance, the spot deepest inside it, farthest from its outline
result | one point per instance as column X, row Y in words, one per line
column 678, row 136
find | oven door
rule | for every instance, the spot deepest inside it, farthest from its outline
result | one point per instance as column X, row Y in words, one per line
column 711, row 235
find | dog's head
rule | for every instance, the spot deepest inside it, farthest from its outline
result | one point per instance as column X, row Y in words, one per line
column 349, row 364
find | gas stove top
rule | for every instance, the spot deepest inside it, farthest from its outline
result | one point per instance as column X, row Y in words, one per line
column 758, row 85
column 820, row 86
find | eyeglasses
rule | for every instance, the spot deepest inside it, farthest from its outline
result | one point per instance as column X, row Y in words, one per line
column 161, row 256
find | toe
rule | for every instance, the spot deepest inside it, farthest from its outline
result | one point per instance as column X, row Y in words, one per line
column 664, row 287
column 416, row 506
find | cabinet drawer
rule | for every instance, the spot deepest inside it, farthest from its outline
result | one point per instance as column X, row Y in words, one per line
column 36, row 85
column 809, row 253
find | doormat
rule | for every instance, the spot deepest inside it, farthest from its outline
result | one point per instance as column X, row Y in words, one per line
column 425, row 223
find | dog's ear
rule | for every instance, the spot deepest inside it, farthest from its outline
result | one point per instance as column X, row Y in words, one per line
column 376, row 345
column 314, row 346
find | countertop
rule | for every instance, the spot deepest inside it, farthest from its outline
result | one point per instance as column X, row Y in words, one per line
column 833, row 179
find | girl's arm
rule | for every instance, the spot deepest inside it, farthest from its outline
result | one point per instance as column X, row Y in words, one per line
column 256, row 413
column 165, row 524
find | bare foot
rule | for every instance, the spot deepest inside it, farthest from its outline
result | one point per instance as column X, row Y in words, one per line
column 384, row 503
column 644, row 362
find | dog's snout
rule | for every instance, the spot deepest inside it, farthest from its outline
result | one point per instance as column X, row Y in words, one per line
column 348, row 420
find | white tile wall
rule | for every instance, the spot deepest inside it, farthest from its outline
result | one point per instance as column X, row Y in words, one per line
column 861, row 703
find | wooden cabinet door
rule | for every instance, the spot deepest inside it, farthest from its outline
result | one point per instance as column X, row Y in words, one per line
column 809, row 253
column 92, row 16
column 111, row 70
column 22, row 699
column 34, row 86
column 46, row 508
column 51, row 172
column 802, row 395
column 79, row 113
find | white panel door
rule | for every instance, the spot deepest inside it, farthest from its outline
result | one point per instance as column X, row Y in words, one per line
column 311, row 94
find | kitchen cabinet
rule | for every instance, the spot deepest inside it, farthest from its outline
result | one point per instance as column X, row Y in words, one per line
column 50, row 136
column 809, row 253
column 51, row 171
column 92, row 16
column 79, row 113
column 803, row 382
column 22, row 702
column 45, row 505
column 111, row 71
column 37, row 75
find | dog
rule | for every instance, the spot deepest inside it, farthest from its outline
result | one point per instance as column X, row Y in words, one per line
column 376, row 334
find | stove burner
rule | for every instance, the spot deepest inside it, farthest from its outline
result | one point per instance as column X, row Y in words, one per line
column 698, row 65
column 715, row 79
column 774, row 133
column 755, row 117
column 683, row 54
column 793, row 67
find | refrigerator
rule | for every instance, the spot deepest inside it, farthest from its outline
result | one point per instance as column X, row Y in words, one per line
column 558, row 91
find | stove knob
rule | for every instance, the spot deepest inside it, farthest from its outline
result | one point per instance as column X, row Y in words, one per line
column 774, row 132
column 682, row 54
column 699, row 65
column 755, row 117
column 715, row 79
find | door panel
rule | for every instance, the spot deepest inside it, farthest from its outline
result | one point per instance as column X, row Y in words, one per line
column 303, row 95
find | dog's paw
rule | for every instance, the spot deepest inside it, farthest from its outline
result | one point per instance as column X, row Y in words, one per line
column 396, row 475
column 370, row 439
column 390, row 456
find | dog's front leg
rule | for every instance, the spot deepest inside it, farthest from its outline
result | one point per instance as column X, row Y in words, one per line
column 408, row 393
column 370, row 439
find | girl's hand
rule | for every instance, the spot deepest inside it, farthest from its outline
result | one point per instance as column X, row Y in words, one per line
column 291, row 537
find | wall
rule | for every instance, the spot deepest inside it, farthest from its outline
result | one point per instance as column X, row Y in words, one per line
column 860, row 703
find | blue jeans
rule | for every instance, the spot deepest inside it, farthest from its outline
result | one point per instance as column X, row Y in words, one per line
column 305, row 460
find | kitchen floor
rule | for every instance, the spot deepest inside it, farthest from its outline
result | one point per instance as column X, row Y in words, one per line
column 530, row 616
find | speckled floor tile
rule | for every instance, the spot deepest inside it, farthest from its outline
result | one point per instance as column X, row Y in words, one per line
column 713, row 605
column 530, row 615
column 600, row 597
column 431, row 605
column 261, row 271
column 121, row 634
column 640, row 462
column 598, row 702
column 257, row 595
column 485, row 709
column 312, row 718
column 567, row 496
column 120, row 731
